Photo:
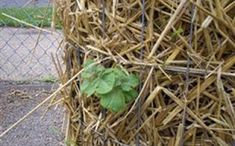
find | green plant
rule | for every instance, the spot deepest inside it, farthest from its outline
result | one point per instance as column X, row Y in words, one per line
column 49, row 79
column 177, row 32
column 70, row 142
column 113, row 86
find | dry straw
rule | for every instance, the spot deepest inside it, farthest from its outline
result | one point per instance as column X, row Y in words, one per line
column 188, row 83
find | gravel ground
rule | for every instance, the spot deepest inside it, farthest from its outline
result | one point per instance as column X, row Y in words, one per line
column 17, row 100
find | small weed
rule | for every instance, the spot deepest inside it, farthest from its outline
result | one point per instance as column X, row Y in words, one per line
column 70, row 142
column 176, row 33
column 49, row 79
column 22, row 82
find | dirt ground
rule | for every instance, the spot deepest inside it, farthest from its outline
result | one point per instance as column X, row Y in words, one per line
column 18, row 99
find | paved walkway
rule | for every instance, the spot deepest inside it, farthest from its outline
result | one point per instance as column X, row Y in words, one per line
column 20, row 59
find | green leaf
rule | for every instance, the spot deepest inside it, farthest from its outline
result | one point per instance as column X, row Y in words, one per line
column 130, row 82
column 84, row 85
column 99, row 69
column 108, row 70
column 91, row 70
column 133, row 80
column 88, row 62
column 130, row 95
column 105, row 83
column 87, row 74
column 113, row 86
column 126, row 86
column 177, row 32
column 119, row 73
column 88, row 87
column 114, row 101
column 120, row 76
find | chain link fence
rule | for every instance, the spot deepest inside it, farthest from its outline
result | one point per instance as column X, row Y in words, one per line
column 25, row 52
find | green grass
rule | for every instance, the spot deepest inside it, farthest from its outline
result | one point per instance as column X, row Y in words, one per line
column 49, row 79
column 38, row 16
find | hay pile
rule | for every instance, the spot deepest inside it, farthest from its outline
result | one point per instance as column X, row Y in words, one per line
column 184, row 53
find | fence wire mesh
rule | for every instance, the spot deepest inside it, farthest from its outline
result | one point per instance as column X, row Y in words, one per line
column 25, row 52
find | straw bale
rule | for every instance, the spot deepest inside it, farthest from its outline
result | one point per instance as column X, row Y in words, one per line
column 184, row 53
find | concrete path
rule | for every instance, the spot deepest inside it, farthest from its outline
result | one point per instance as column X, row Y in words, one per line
column 21, row 60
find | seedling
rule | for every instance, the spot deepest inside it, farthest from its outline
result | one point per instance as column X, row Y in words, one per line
column 113, row 86
column 177, row 32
